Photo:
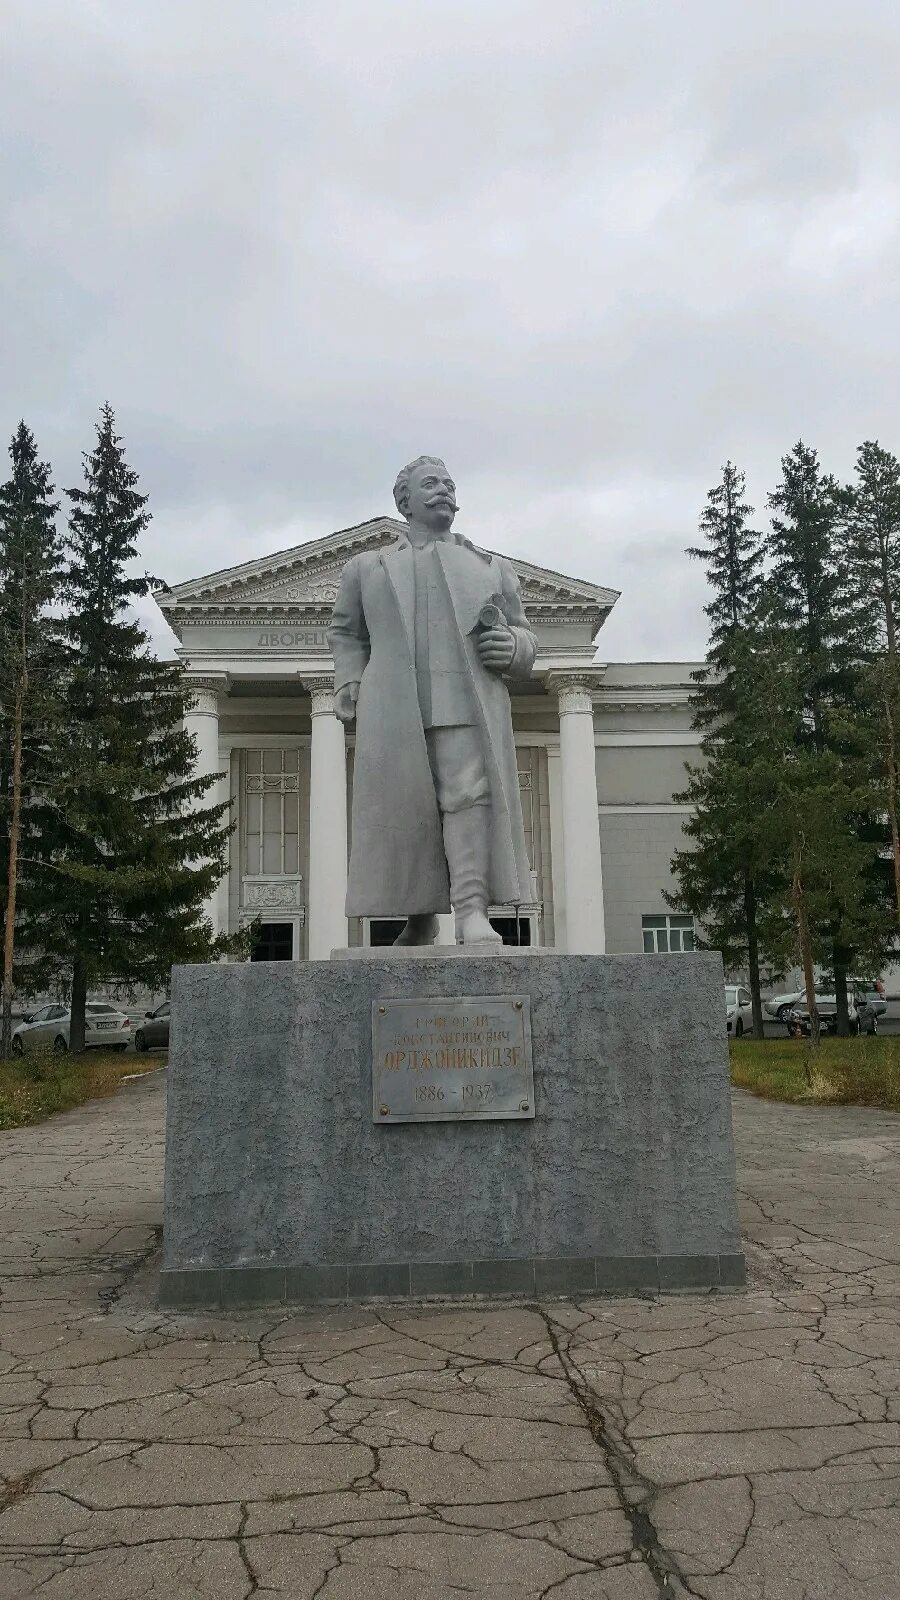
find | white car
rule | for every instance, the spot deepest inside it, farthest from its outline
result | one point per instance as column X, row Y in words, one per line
column 48, row 1029
column 781, row 1004
column 738, row 1010
column 872, row 988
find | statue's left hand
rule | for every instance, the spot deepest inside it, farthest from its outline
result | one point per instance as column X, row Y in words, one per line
column 496, row 647
column 345, row 702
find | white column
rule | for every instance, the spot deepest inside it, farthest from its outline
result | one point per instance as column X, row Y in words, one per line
column 327, row 891
column 582, row 869
column 557, row 853
column 202, row 720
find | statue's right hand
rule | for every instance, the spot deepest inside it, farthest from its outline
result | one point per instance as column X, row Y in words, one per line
column 345, row 702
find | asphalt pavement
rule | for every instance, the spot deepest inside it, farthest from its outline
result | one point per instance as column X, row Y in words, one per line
column 721, row 1447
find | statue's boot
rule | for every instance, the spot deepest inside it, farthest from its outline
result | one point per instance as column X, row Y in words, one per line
column 420, row 929
column 467, row 842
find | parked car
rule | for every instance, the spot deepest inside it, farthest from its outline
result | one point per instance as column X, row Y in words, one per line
column 781, row 1004
column 863, row 1015
column 153, row 1032
column 738, row 1010
column 105, row 1027
column 872, row 990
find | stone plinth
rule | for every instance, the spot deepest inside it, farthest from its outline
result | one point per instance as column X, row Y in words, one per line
column 279, row 1185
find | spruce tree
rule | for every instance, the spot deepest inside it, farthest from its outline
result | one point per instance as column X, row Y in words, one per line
column 783, row 774
column 828, row 896
column 30, row 554
column 131, row 849
column 814, row 608
column 719, row 874
column 872, row 527
column 808, row 585
column 731, row 552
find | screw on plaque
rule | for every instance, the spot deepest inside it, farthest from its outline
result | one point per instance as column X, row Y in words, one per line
column 384, row 1111
column 381, row 1010
column 518, row 1005
column 524, row 1105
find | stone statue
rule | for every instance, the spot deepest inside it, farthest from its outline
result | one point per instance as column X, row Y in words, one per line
column 424, row 634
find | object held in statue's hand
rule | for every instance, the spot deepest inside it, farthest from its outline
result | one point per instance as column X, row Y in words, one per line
column 491, row 616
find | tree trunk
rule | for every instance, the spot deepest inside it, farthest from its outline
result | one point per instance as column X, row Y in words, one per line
column 889, row 683
column 12, row 882
column 753, row 954
column 892, row 784
column 79, row 996
column 895, row 839
column 842, row 1018
column 806, row 956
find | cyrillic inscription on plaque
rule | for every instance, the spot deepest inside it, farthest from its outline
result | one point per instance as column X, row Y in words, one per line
column 442, row 1059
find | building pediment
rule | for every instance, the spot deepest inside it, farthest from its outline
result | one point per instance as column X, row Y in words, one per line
column 303, row 582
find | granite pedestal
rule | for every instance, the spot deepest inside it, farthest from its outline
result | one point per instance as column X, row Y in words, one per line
column 281, row 1187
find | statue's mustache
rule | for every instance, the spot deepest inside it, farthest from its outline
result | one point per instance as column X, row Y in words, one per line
column 443, row 500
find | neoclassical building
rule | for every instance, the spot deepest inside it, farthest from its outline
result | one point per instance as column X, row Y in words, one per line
column 601, row 751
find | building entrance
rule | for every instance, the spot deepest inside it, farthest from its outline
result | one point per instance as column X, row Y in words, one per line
column 384, row 930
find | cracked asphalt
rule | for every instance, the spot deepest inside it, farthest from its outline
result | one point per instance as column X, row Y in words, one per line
column 733, row 1447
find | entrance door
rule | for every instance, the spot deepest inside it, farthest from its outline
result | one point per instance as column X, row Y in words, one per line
column 273, row 942
column 384, row 930
column 510, row 932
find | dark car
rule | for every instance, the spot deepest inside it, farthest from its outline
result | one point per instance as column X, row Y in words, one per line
column 863, row 1016
column 153, row 1033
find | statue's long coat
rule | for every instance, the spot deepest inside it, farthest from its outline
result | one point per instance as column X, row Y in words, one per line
column 397, row 861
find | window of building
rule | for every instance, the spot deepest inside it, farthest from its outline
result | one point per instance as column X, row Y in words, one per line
column 273, row 941
column 663, row 934
column 272, row 812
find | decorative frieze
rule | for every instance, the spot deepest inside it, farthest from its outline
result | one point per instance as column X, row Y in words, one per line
column 272, row 894
column 322, row 593
column 273, row 782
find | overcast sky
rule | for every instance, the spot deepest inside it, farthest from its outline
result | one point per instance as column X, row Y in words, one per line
column 585, row 251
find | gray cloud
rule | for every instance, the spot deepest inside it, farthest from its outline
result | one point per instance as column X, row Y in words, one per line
column 583, row 251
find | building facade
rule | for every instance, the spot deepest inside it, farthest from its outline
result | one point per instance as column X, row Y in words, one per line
column 601, row 751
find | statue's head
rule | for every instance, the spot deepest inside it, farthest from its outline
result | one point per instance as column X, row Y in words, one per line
column 425, row 493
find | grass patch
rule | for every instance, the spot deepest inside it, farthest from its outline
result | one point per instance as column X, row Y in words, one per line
column 39, row 1084
column 847, row 1072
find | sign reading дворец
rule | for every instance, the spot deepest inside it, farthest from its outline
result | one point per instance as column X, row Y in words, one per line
column 442, row 1059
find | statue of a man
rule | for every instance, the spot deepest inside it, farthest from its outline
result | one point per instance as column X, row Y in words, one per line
column 424, row 634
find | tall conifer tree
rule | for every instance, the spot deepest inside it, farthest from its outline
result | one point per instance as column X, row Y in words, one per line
column 872, row 526
column 30, row 557
column 812, row 801
column 812, row 603
column 808, row 586
column 719, row 875
column 130, row 849
column 731, row 552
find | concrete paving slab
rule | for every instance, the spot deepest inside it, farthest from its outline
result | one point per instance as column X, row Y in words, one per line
column 728, row 1447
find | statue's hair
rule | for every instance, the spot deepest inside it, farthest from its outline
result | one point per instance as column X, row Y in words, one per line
column 401, row 487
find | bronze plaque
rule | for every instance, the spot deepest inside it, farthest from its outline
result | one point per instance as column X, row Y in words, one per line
column 448, row 1060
